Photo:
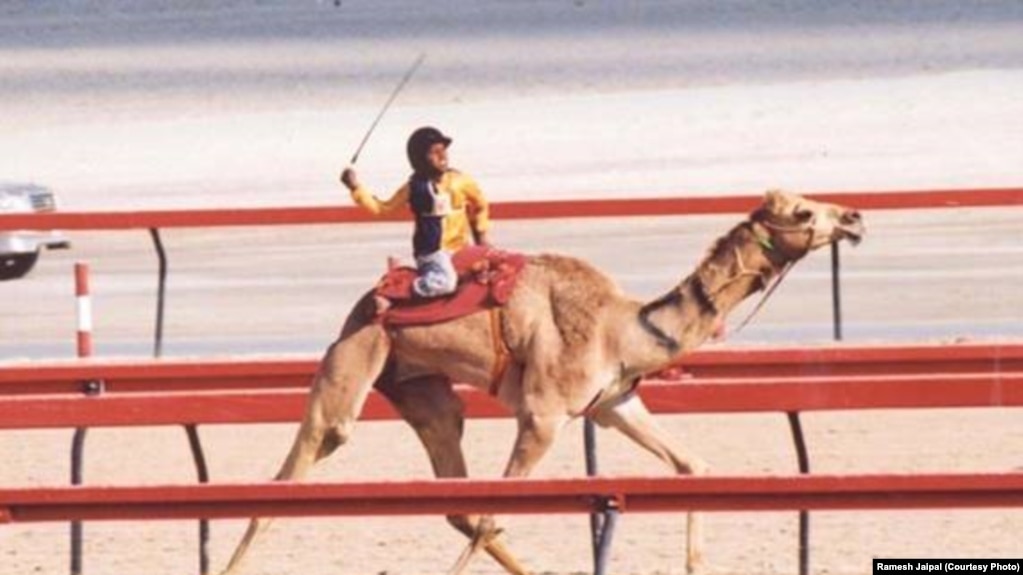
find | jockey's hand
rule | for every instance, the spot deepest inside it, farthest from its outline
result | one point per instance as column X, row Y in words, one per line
column 349, row 178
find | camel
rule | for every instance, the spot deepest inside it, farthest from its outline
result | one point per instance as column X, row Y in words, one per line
column 567, row 344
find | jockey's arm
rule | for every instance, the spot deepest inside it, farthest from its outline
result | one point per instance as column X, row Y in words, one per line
column 478, row 212
column 365, row 198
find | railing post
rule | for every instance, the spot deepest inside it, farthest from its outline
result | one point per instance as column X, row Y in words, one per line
column 803, row 458
column 836, row 293
column 83, row 306
column 83, row 337
column 602, row 522
column 161, row 291
column 802, row 453
column 596, row 520
column 77, row 447
column 192, row 431
column 202, row 472
column 609, row 516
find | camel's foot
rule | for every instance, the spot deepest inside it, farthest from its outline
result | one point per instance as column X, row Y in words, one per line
column 486, row 532
column 694, row 532
column 694, row 563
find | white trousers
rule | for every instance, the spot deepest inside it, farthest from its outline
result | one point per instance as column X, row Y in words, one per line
column 437, row 275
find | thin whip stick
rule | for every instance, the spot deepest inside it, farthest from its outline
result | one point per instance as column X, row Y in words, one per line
column 394, row 94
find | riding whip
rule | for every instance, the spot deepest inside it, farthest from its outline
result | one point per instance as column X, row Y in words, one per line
column 390, row 100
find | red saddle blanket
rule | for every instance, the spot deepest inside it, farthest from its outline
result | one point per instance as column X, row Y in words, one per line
column 486, row 279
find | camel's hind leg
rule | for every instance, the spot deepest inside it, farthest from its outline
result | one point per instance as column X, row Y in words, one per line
column 436, row 414
column 632, row 418
column 339, row 390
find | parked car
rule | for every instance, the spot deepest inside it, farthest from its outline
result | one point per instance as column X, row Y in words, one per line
column 20, row 249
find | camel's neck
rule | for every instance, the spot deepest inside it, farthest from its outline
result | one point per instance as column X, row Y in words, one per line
column 740, row 264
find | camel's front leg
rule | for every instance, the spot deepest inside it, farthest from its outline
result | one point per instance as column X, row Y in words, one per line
column 535, row 436
column 632, row 418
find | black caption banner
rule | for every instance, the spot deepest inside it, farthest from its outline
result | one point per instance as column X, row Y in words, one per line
column 882, row 566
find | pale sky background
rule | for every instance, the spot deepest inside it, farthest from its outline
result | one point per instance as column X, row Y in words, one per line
column 122, row 104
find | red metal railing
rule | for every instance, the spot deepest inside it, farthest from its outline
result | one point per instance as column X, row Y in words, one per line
column 120, row 220
column 785, row 394
column 183, row 374
column 149, row 392
column 171, row 392
column 840, row 382
column 435, row 497
column 285, row 406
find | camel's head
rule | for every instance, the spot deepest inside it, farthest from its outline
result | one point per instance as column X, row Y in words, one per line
column 797, row 225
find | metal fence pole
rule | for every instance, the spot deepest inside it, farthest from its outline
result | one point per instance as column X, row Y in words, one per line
column 83, row 337
column 194, row 442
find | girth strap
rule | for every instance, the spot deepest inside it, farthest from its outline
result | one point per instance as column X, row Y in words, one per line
column 502, row 355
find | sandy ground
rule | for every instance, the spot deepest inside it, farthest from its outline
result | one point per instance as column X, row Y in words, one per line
column 164, row 104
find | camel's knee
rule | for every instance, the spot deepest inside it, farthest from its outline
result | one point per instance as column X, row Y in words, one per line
column 474, row 525
column 333, row 408
column 316, row 440
column 333, row 437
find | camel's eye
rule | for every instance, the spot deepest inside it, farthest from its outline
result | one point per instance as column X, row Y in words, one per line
column 803, row 215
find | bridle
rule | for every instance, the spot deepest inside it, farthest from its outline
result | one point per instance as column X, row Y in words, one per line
column 768, row 246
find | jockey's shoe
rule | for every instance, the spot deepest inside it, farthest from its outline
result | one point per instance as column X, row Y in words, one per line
column 383, row 304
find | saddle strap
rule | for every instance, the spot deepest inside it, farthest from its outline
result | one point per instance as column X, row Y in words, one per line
column 502, row 355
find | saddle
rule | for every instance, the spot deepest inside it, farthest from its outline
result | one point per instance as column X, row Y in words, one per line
column 486, row 279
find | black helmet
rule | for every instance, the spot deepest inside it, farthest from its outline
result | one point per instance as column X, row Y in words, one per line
column 419, row 143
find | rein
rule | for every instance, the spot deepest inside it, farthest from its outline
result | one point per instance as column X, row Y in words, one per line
column 765, row 242
column 767, row 294
column 768, row 246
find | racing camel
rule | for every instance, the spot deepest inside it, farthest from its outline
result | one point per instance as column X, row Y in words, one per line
column 568, row 343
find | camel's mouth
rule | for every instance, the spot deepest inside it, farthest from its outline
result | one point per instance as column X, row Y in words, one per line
column 850, row 226
column 854, row 232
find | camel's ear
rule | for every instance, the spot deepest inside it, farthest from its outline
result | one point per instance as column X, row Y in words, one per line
column 775, row 200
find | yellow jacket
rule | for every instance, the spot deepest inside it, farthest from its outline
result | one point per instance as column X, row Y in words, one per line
column 460, row 208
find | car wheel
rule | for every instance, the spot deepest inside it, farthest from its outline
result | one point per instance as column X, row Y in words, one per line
column 14, row 266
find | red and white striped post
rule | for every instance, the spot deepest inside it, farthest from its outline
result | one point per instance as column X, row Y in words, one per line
column 84, row 306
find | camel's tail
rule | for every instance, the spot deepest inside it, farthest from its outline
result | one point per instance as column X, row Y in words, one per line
column 344, row 379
